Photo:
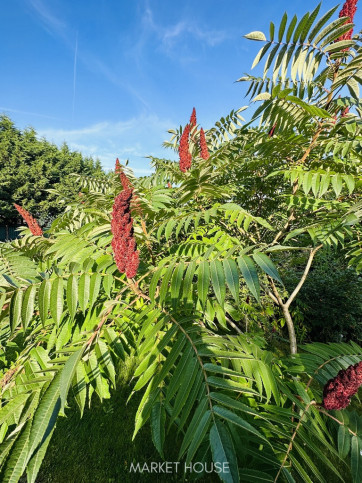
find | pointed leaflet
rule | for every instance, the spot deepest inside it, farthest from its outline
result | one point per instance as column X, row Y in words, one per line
column 187, row 382
column 223, row 452
column 105, row 360
column 203, row 280
column 34, row 464
column 300, row 28
column 67, row 374
column 282, row 27
column 315, row 184
column 14, row 404
column 307, row 181
column 72, row 295
column 218, row 280
column 250, row 274
column 261, row 54
column 198, row 435
column 80, row 387
column 309, row 23
column 344, row 441
column 187, row 290
column 27, row 309
column 18, row 457
column 337, row 183
column 349, row 179
column 158, row 423
column 45, row 416
column 331, row 27
column 232, row 278
column 56, row 299
column 267, row 265
column 291, row 28
column 190, row 401
column 196, row 418
column 84, row 283
column 176, row 283
column 235, row 419
column 165, row 281
column 322, row 21
column 6, row 446
column 107, row 283
column 181, row 368
column 325, row 180
column 271, row 31
column 269, row 381
column 154, row 282
column 356, row 459
column 94, row 287
column 15, row 309
column 44, row 299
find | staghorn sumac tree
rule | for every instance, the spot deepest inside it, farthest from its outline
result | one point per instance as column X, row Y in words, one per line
column 211, row 240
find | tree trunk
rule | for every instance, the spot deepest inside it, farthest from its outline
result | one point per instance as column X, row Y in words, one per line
column 291, row 330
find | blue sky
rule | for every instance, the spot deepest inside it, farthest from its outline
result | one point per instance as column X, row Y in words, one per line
column 110, row 77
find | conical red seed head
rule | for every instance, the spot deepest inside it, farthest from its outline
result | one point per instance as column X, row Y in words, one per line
column 203, row 146
column 338, row 391
column 184, row 150
column 123, row 242
column 193, row 121
column 348, row 10
column 30, row 221
column 118, row 166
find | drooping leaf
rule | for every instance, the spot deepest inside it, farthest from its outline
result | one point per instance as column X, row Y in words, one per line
column 57, row 299
column 250, row 274
column 267, row 265
column 223, row 452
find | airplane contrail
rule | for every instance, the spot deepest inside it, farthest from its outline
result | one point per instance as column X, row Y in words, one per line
column 75, row 73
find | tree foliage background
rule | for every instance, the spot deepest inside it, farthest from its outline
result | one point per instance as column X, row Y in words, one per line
column 208, row 320
column 29, row 167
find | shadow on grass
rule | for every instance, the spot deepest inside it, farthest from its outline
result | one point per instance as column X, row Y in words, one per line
column 99, row 449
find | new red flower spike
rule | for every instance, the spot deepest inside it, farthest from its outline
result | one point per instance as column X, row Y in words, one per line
column 31, row 221
column 271, row 132
column 338, row 391
column 203, row 146
column 345, row 112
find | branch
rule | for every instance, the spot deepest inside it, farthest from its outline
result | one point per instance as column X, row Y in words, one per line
column 337, row 420
column 304, row 276
column 290, row 447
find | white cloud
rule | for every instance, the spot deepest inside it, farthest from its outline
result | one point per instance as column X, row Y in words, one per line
column 171, row 34
column 134, row 139
column 210, row 37
column 50, row 21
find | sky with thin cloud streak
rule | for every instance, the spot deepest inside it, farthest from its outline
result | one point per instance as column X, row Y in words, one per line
column 140, row 68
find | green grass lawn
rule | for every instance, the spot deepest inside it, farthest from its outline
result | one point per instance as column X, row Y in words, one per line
column 99, row 449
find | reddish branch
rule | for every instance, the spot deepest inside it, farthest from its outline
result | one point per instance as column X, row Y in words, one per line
column 31, row 221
